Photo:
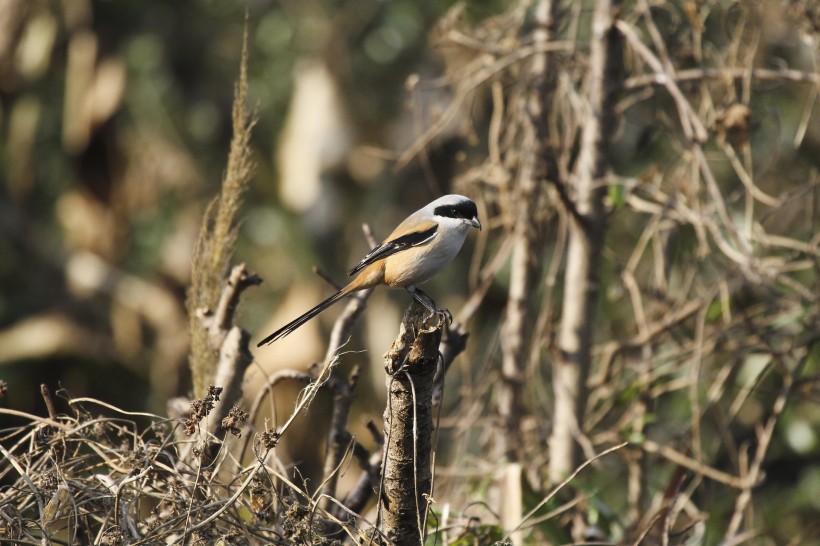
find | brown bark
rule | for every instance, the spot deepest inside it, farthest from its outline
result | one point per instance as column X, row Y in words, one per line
column 408, row 423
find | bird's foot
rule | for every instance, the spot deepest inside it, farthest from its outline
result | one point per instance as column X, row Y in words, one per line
column 428, row 303
column 443, row 315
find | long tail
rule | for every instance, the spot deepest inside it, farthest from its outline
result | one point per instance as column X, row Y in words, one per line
column 296, row 323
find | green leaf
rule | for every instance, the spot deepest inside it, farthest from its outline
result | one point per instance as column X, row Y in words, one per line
column 714, row 312
column 617, row 194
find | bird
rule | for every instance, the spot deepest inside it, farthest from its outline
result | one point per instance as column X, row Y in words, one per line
column 421, row 246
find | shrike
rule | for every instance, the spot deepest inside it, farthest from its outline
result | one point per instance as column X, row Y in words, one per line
column 417, row 249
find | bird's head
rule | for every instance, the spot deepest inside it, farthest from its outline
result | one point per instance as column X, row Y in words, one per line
column 457, row 208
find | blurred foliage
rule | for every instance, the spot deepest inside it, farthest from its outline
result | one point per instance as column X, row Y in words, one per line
column 116, row 123
column 116, row 126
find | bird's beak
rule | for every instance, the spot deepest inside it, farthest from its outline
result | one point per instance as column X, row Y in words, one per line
column 475, row 223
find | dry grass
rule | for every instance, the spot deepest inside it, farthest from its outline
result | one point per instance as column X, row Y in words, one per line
column 217, row 235
column 100, row 475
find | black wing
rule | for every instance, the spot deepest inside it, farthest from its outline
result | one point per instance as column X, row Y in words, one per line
column 388, row 248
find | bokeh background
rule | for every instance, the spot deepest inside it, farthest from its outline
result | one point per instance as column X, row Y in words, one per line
column 116, row 124
column 115, row 119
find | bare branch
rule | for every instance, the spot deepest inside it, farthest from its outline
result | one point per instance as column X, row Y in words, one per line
column 575, row 338
column 408, row 424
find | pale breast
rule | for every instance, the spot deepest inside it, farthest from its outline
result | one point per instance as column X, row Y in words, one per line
column 418, row 264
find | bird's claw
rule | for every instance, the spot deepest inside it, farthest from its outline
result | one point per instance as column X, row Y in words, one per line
column 443, row 315
column 427, row 302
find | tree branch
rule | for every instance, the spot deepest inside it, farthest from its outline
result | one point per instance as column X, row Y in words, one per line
column 572, row 364
column 408, row 424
